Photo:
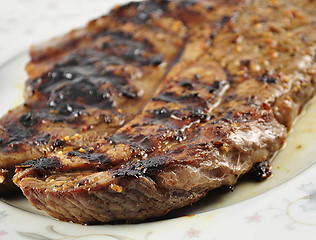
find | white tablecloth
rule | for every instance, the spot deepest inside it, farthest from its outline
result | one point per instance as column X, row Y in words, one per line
column 25, row 22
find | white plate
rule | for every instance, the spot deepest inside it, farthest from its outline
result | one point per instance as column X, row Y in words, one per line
column 283, row 206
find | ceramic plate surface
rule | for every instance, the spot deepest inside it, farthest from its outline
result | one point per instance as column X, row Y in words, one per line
column 284, row 206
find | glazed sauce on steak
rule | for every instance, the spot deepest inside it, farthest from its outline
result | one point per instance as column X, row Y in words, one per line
column 173, row 130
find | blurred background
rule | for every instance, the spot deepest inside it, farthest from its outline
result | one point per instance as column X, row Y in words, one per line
column 26, row 22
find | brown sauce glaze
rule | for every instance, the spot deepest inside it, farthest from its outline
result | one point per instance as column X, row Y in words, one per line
column 141, row 12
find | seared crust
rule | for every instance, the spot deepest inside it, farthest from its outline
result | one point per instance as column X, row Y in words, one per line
column 84, row 87
column 212, row 118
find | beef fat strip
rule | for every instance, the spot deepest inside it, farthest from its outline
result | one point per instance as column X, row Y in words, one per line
column 211, row 120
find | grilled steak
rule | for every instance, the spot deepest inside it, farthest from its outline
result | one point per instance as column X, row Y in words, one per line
column 224, row 108
column 83, row 87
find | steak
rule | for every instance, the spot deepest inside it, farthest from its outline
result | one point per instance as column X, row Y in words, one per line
column 85, row 85
column 221, row 111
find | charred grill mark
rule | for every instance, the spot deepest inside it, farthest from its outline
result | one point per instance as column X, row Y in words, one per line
column 139, row 141
column 194, row 106
column 80, row 92
column 187, row 3
column 224, row 20
column 89, row 56
column 87, row 63
column 154, row 61
column 58, row 75
column 228, row 116
column 128, row 92
column 166, row 97
column 90, row 156
column 179, row 135
column 147, row 168
column 77, row 79
column 230, row 97
column 217, row 85
column 139, row 51
column 176, row 123
column 86, row 72
column 28, row 120
column 267, row 78
column 119, row 38
column 182, row 114
column 162, row 113
column 58, row 143
column 17, row 133
column 173, row 97
column 56, row 112
column 237, row 116
column 185, row 83
column 44, row 163
column 59, row 111
column 137, row 55
column 190, row 99
column 229, row 77
column 142, row 11
column 191, row 84
column 245, row 63
column 43, row 139
column 199, row 113
column 105, row 118
column 20, row 133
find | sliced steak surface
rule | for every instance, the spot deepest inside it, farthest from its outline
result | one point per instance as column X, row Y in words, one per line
column 226, row 106
column 84, row 87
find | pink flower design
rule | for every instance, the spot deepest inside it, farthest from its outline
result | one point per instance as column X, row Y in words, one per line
column 193, row 233
column 254, row 218
column 310, row 189
column 2, row 232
